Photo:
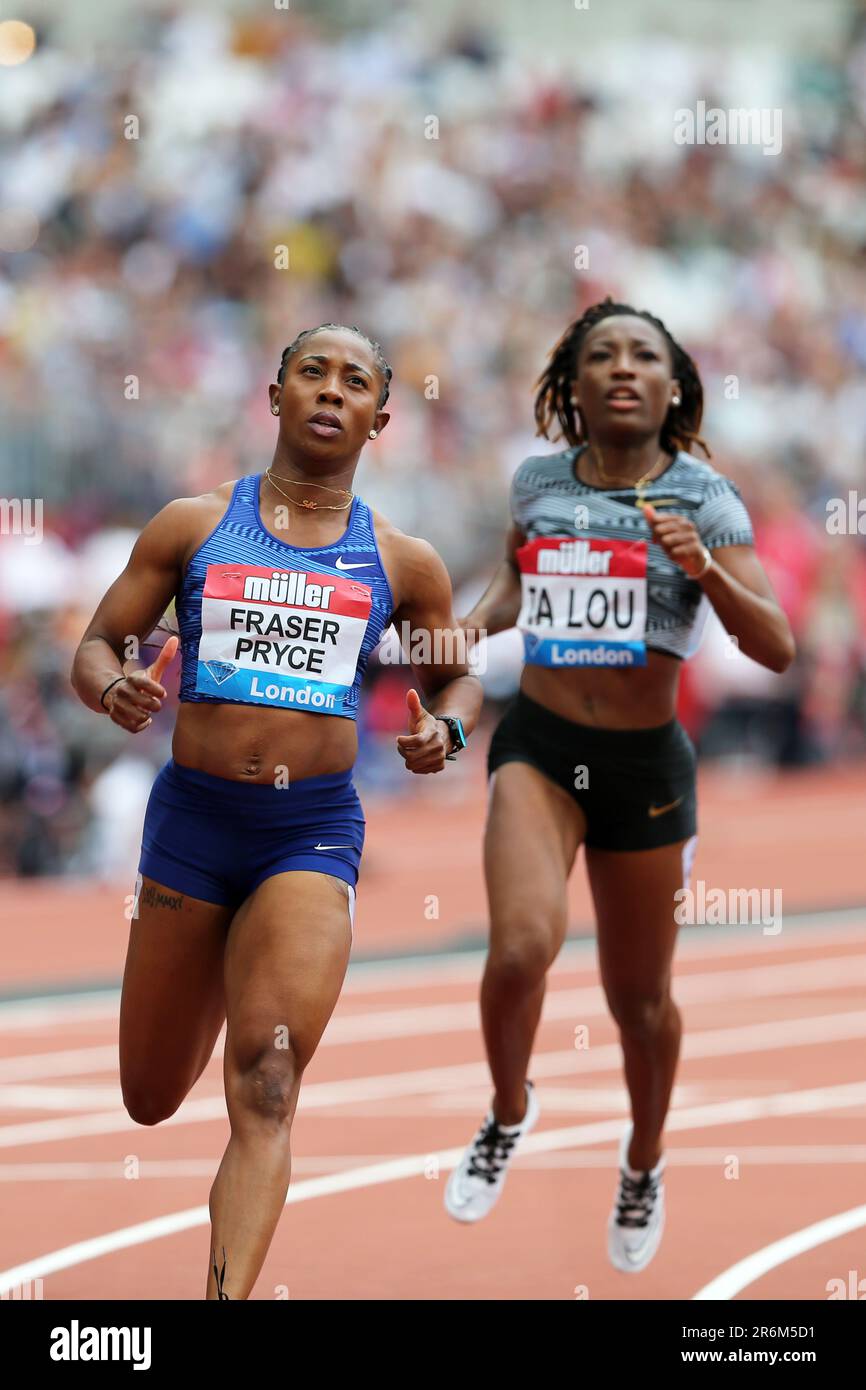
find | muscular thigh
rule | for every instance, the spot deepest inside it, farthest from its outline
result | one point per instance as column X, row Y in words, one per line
column 533, row 832
column 633, row 894
column 286, row 958
column 171, row 1007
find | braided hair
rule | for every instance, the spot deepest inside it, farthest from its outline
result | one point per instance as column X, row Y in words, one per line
column 378, row 355
column 553, row 398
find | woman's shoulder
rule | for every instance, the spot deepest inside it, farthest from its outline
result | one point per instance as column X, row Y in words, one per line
column 182, row 524
column 195, row 507
column 195, row 504
column 715, row 502
column 544, row 470
column 398, row 546
column 702, row 475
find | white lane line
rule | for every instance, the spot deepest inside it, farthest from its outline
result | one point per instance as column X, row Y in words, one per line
column 578, row 1005
column 82, row 1097
column 103, row 1245
column 17, row 1015
column 78, row 1061
column 323, row 1095
column 834, row 927
column 700, row 1117
column 564, row 1100
column 708, row 1042
column 105, row 1122
column 792, row 1155
column 170, row 1168
column 732, row 1281
column 755, row 1156
column 760, row 981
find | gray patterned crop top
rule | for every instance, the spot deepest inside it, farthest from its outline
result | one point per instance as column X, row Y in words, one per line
column 597, row 591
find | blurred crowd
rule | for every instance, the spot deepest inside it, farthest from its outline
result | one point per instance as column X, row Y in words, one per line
column 202, row 193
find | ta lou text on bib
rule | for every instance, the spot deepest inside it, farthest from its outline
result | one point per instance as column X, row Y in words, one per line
column 584, row 602
column 281, row 637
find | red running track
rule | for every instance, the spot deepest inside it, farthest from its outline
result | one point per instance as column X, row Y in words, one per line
column 765, row 1138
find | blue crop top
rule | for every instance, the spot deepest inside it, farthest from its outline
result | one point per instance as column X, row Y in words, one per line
column 263, row 622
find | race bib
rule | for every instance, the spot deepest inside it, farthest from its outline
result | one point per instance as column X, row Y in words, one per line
column 584, row 602
column 281, row 637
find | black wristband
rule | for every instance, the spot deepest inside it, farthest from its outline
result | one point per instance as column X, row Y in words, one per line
column 455, row 732
column 106, row 690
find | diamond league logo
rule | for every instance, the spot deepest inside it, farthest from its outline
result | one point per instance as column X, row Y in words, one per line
column 220, row 670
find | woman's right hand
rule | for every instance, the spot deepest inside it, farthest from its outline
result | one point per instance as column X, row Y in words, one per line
column 133, row 701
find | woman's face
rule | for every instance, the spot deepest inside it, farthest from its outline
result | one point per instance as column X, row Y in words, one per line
column 328, row 399
column 623, row 383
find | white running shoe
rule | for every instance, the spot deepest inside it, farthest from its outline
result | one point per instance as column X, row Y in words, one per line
column 476, row 1183
column 637, row 1221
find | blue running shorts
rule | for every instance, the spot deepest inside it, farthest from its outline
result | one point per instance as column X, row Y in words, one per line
column 218, row 839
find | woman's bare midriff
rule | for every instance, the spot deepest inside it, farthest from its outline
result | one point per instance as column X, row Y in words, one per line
column 248, row 744
column 638, row 698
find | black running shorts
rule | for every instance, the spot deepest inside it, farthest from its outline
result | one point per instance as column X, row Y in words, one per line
column 636, row 787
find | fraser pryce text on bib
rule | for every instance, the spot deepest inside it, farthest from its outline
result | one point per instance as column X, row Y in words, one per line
column 584, row 602
column 280, row 637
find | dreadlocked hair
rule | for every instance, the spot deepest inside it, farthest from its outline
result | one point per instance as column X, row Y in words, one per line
column 378, row 354
column 553, row 398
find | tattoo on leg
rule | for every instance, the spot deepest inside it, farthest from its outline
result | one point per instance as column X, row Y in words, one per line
column 152, row 897
column 219, row 1276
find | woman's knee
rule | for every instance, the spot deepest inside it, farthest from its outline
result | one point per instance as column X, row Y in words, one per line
column 263, row 1083
column 522, row 949
column 642, row 1016
column 153, row 1092
column 146, row 1106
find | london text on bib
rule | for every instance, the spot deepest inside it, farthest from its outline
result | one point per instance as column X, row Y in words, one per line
column 584, row 602
column 280, row 637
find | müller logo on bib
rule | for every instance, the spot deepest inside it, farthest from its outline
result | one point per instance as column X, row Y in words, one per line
column 583, row 602
column 281, row 637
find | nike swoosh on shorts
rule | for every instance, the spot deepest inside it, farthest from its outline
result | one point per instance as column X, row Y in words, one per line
column 333, row 846
column 660, row 810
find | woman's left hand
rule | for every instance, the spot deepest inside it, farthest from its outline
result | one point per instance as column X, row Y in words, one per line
column 423, row 749
column 679, row 539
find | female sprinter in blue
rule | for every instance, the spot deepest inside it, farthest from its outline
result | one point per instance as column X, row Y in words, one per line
column 618, row 545
column 284, row 583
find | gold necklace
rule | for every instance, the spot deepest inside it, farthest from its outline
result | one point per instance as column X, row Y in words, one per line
column 639, row 486
column 305, row 501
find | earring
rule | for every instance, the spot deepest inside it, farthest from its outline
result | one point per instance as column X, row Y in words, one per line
column 275, row 410
column 373, row 434
column 675, row 400
column 573, row 401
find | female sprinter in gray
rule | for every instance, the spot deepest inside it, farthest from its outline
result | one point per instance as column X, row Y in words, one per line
column 284, row 583
column 617, row 547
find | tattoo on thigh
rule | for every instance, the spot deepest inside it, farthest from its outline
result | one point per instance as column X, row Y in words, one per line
column 153, row 897
column 219, row 1275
